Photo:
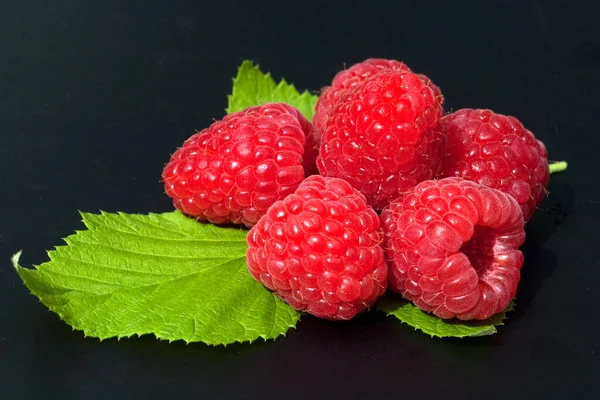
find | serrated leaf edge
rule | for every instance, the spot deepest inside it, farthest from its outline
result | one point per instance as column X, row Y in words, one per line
column 15, row 261
column 18, row 268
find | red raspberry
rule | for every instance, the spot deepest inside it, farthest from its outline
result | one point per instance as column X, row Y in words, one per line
column 383, row 137
column 320, row 250
column 358, row 73
column 236, row 168
column 496, row 151
column 453, row 247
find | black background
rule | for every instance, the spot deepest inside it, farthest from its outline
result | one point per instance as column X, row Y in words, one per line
column 94, row 96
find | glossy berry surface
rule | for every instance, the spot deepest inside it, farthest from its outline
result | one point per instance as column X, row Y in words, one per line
column 234, row 170
column 383, row 137
column 320, row 250
column 356, row 74
column 453, row 247
column 497, row 151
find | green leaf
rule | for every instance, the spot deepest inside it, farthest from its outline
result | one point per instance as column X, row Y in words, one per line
column 411, row 315
column 252, row 87
column 164, row 274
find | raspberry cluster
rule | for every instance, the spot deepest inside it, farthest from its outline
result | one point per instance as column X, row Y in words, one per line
column 454, row 192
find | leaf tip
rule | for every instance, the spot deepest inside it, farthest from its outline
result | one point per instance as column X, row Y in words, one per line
column 83, row 214
column 15, row 259
column 247, row 63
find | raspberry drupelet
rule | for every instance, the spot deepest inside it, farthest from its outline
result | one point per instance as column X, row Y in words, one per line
column 320, row 250
column 496, row 151
column 453, row 248
column 383, row 137
column 356, row 74
column 234, row 170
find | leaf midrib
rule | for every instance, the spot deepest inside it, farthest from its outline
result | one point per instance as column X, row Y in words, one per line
column 123, row 287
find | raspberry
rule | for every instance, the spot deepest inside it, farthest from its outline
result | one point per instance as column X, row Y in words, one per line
column 453, row 248
column 358, row 73
column 496, row 151
column 235, row 169
column 383, row 137
column 320, row 250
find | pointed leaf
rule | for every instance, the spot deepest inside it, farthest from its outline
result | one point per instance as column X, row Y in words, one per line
column 252, row 87
column 411, row 315
column 164, row 274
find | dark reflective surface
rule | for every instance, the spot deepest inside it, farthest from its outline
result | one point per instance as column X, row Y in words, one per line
column 94, row 98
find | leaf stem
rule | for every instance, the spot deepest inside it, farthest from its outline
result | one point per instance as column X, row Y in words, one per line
column 558, row 166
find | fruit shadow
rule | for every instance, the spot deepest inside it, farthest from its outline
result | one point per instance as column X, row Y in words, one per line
column 540, row 261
